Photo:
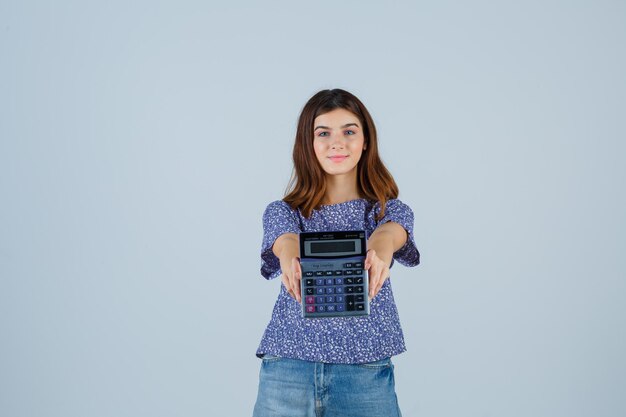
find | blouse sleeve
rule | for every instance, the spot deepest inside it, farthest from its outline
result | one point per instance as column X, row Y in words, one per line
column 398, row 212
column 279, row 218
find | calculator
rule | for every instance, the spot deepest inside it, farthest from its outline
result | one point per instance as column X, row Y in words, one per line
column 334, row 280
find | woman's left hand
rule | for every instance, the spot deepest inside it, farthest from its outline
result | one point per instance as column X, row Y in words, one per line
column 378, row 272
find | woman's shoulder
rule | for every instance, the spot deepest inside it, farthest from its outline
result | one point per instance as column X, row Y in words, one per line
column 279, row 207
column 392, row 204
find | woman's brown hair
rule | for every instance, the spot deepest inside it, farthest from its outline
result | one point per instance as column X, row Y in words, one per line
column 307, row 186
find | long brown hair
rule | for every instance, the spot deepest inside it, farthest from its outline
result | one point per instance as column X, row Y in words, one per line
column 307, row 186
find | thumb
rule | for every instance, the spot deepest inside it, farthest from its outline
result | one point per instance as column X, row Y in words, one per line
column 295, row 265
column 368, row 258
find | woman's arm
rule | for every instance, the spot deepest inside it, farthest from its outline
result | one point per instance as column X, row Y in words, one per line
column 386, row 239
column 287, row 250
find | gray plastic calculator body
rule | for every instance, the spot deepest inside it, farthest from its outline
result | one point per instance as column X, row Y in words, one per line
column 334, row 280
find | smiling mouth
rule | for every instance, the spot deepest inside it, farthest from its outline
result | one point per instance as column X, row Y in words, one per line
column 338, row 158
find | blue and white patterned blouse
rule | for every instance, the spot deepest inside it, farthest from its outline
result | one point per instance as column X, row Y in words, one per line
column 334, row 339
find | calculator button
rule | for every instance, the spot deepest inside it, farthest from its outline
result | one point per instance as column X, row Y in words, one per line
column 360, row 307
column 358, row 289
column 339, row 290
column 349, row 290
column 339, row 281
column 348, row 265
column 310, row 291
column 319, row 290
column 330, row 290
column 349, row 281
column 328, row 273
column 348, row 272
column 308, row 274
column 310, row 309
column 330, row 299
column 329, row 281
column 319, row 273
column 309, row 282
column 339, row 272
column 358, row 271
column 321, row 309
column 358, row 264
column 358, row 280
column 310, row 299
column 350, row 303
column 330, row 308
column 319, row 281
column 340, row 298
column 320, row 300
column 341, row 307
column 359, row 298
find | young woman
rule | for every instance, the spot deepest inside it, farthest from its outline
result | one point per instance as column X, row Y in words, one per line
column 339, row 366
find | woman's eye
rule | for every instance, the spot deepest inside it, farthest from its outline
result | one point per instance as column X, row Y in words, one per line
column 350, row 132
column 322, row 134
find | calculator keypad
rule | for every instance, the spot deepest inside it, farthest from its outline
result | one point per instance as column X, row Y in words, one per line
column 334, row 289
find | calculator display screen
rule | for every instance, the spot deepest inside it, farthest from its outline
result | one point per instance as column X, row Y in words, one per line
column 332, row 244
column 336, row 246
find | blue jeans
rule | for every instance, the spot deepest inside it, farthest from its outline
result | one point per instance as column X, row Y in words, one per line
column 296, row 388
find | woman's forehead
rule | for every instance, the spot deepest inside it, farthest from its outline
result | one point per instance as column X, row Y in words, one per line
column 336, row 118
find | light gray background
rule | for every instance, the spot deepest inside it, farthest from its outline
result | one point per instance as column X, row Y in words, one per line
column 140, row 144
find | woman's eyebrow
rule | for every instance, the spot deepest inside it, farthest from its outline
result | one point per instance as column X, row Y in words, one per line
column 342, row 127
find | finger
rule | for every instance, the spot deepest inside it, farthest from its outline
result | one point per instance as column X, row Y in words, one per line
column 383, row 277
column 373, row 282
column 296, row 277
column 287, row 284
column 378, row 273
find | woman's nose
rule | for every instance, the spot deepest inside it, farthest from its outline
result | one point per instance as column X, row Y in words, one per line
column 337, row 141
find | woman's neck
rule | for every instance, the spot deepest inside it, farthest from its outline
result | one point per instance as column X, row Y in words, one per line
column 341, row 188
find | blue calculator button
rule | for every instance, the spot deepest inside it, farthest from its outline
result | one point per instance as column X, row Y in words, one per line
column 319, row 290
column 321, row 309
column 329, row 281
column 339, row 281
column 340, row 299
column 330, row 299
column 339, row 290
column 319, row 281
column 330, row 308
column 330, row 290
column 319, row 300
column 341, row 307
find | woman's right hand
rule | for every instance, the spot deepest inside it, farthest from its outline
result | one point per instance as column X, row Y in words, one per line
column 287, row 249
column 292, row 274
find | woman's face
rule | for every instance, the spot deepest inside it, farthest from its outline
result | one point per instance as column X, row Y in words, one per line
column 338, row 141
